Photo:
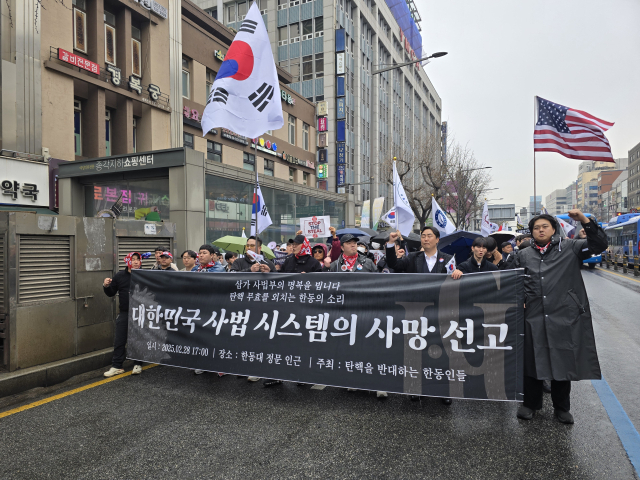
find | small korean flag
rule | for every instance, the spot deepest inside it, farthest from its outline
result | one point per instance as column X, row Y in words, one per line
column 451, row 265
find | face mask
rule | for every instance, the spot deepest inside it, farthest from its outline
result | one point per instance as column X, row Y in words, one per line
column 362, row 250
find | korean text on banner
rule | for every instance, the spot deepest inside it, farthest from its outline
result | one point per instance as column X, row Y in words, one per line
column 439, row 337
column 315, row 227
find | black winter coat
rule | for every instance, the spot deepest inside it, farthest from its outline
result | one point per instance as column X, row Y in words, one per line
column 244, row 265
column 120, row 285
column 559, row 340
column 415, row 262
column 471, row 266
column 306, row 263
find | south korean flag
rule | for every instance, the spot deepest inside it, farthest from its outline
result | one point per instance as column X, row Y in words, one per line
column 259, row 213
column 451, row 265
column 245, row 96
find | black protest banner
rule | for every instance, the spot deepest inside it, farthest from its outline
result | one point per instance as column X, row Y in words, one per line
column 402, row 333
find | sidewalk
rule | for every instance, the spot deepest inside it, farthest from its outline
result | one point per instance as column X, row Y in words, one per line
column 52, row 373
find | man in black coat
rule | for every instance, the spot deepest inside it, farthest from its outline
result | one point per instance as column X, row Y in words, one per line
column 249, row 263
column 119, row 284
column 477, row 261
column 559, row 343
column 430, row 260
column 301, row 261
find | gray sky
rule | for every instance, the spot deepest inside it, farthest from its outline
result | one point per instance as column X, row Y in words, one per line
column 580, row 53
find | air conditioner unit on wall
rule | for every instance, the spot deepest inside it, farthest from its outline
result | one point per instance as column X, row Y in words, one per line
column 282, row 7
column 319, row 34
column 307, row 37
column 282, row 42
column 295, row 40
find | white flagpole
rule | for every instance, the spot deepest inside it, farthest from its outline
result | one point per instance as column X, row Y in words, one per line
column 535, row 119
column 255, row 200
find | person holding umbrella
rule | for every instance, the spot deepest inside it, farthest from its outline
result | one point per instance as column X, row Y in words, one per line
column 559, row 343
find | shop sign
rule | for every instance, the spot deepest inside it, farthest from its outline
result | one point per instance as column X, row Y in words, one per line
column 340, row 63
column 78, row 61
column 298, row 161
column 322, row 155
column 135, row 85
column 322, row 139
column 24, row 183
column 265, row 150
column 322, row 124
column 287, row 98
column 340, row 108
column 407, row 46
column 323, row 170
column 267, row 144
column 340, row 86
column 154, row 7
column 340, row 131
column 125, row 163
column 234, row 137
column 322, row 108
column 341, row 174
column 341, row 154
column 219, row 54
column 191, row 113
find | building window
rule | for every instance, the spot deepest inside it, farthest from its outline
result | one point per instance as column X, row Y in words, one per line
column 268, row 167
column 79, row 26
column 231, row 13
column 109, row 38
column 187, row 140
column 212, row 11
column 242, row 10
column 294, row 32
column 292, row 173
column 211, row 76
column 214, row 151
column 292, row 130
column 107, row 133
column 185, row 77
column 319, row 65
column 249, row 161
column 305, row 178
column 294, row 69
column 77, row 127
column 136, row 48
column 319, row 25
column 307, row 67
column 305, row 136
column 307, row 29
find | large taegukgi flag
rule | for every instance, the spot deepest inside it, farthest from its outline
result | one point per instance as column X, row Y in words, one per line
column 245, row 96
column 573, row 133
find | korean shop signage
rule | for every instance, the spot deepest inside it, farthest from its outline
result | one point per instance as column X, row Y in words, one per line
column 154, row 7
column 219, row 54
column 24, row 183
column 78, row 61
column 287, row 98
column 174, row 157
column 427, row 338
column 153, row 93
column 234, row 137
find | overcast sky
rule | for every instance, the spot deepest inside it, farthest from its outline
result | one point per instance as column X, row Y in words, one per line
column 580, row 53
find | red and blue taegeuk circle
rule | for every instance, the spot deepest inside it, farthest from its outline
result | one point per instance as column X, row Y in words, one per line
column 238, row 62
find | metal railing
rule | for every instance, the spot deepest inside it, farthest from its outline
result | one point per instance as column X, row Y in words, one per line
column 622, row 261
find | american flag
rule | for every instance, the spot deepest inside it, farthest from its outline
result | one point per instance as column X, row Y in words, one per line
column 572, row 133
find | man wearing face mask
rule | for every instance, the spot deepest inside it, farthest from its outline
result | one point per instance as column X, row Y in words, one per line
column 253, row 261
column 559, row 343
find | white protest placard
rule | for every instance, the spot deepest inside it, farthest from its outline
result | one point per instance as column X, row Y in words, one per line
column 315, row 227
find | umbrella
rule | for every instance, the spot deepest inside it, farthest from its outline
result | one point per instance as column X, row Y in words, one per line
column 369, row 232
column 413, row 239
column 230, row 243
column 501, row 237
column 458, row 244
column 356, row 232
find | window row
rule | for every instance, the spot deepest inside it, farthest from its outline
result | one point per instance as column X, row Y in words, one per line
column 78, row 130
column 307, row 28
column 80, row 42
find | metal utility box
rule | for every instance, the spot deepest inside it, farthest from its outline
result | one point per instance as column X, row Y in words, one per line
column 52, row 304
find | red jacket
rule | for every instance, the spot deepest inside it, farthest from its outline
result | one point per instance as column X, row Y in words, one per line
column 336, row 249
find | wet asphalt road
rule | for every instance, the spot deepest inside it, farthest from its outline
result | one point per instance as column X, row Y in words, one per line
column 168, row 423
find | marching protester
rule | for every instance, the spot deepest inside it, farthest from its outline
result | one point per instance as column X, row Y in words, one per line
column 158, row 251
column 229, row 257
column 430, row 260
column 120, row 284
column 477, row 261
column 301, row 261
column 351, row 259
column 559, row 339
column 189, row 258
column 253, row 261
column 208, row 255
column 320, row 252
column 383, row 266
column 493, row 255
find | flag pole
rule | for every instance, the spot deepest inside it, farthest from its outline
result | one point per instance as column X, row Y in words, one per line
column 395, row 206
column 535, row 198
column 255, row 201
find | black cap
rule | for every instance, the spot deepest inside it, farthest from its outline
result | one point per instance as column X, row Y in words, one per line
column 216, row 250
column 290, row 241
column 347, row 238
column 299, row 239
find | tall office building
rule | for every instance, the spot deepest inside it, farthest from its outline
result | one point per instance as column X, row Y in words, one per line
column 331, row 48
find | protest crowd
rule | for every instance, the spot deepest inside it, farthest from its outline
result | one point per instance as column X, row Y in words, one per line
column 554, row 354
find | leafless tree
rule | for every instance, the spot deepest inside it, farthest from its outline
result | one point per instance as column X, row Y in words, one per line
column 457, row 185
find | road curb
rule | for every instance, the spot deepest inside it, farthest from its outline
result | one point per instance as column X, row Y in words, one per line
column 53, row 373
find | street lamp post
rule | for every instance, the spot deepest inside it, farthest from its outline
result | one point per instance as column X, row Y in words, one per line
column 413, row 62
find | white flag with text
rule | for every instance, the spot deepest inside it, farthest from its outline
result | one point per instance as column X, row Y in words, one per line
column 404, row 215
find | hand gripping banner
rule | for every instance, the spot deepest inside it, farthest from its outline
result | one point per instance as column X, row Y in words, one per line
column 402, row 333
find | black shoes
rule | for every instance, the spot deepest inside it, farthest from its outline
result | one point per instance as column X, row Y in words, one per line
column 268, row 382
column 414, row 398
column 525, row 413
column 564, row 417
column 446, row 401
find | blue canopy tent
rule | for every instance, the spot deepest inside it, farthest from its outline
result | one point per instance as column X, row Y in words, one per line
column 458, row 244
